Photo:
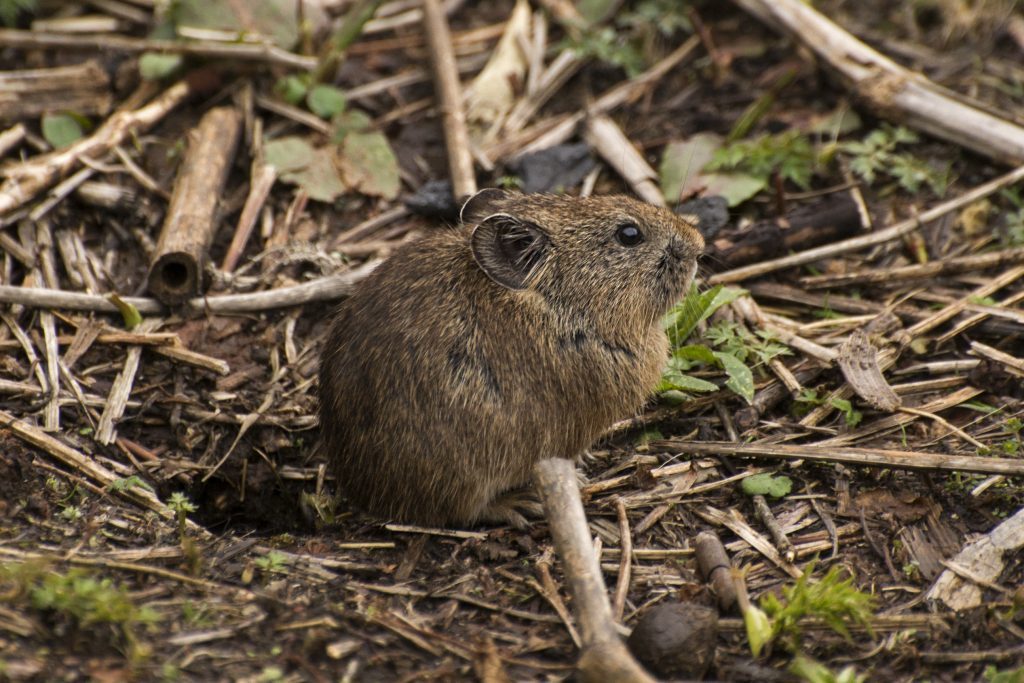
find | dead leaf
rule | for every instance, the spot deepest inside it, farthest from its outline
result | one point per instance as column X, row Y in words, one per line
column 368, row 165
column 493, row 91
column 311, row 168
column 680, row 172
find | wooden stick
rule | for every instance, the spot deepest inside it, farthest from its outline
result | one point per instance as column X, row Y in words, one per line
column 262, row 51
column 449, row 100
column 25, row 181
column 176, row 272
column 11, row 138
column 898, row 276
column 867, row 457
column 604, row 656
column 322, row 289
column 262, row 181
column 1011, row 362
column 605, row 136
column 82, row 88
column 625, row 561
column 121, row 389
column 891, row 90
column 871, row 239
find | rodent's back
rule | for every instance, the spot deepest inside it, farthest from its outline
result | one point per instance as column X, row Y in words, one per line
column 440, row 388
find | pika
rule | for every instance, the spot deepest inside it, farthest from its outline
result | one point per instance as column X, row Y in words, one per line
column 469, row 355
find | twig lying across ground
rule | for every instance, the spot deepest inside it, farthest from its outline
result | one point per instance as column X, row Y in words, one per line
column 322, row 289
column 868, row 457
column 264, row 52
column 920, row 271
column 871, row 239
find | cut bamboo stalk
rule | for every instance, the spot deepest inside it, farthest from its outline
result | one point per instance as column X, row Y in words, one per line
column 176, row 273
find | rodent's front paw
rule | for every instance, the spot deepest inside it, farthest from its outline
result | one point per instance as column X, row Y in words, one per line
column 513, row 508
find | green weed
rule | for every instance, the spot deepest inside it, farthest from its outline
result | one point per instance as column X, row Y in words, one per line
column 790, row 154
column 833, row 599
column 80, row 598
column 877, row 155
column 809, row 398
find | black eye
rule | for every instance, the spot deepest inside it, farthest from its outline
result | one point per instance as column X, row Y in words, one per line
column 629, row 235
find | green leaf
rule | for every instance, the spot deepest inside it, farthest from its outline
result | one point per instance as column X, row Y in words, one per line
column 129, row 313
column 154, row 66
column 292, row 89
column 273, row 18
column 326, row 101
column 759, row 629
column 776, row 486
column 736, row 188
column 694, row 308
column 695, row 352
column 741, row 379
column 648, row 436
column 673, row 379
column 682, row 162
column 60, row 130
column 9, row 10
column 368, row 165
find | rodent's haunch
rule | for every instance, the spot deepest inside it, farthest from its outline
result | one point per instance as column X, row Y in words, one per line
column 474, row 352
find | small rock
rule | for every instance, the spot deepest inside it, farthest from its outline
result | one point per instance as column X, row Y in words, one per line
column 712, row 214
column 676, row 640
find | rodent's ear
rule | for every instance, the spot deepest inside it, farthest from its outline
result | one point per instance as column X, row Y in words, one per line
column 481, row 205
column 508, row 250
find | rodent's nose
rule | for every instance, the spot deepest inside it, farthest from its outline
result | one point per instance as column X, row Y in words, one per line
column 680, row 249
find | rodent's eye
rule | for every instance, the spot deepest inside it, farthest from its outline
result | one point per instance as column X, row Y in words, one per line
column 629, row 235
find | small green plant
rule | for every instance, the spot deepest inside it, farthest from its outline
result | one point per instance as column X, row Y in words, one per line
column 271, row 674
column 182, row 506
column 790, row 154
column 834, row 600
column 994, row 675
column 1013, row 228
column 9, row 10
column 128, row 483
column 815, row 672
column 195, row 614
column 680, row 323
column 767, row 484
column 877, row 155
column 79, row 597
column 607, row 45
column 1012, row 429
column 627, row 41
column 273, row 562
column 809, row 398
column 757, row 348
column 71, row 513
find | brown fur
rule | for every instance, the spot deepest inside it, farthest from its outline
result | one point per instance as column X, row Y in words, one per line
column 441, row 386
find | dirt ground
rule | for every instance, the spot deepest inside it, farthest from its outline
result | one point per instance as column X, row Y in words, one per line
column 102, row 580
